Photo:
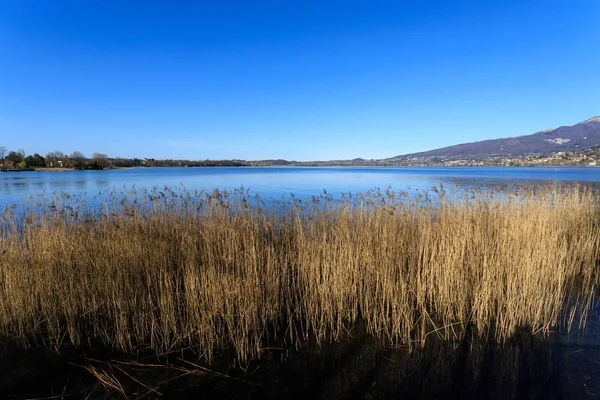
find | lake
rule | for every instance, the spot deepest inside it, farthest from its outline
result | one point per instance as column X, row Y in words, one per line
column 278, row 181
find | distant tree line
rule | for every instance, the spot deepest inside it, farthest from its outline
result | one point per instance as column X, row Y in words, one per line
column 77, row 160
column 55, row 159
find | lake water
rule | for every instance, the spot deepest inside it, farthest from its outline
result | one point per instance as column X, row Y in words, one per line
column 278, row 181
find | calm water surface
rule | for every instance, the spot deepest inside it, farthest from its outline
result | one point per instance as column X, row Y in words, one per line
column 278, row 181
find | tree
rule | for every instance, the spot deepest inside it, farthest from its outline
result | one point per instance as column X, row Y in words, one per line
column 77, row 159
column 35, row 161
column 55, row 158
column 61, row 159
column 14, row 158
column 3, row 151
column 40, row 162
column 100, row 160
column 51, row 159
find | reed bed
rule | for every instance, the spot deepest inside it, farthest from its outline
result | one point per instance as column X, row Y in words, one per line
column 168, row 269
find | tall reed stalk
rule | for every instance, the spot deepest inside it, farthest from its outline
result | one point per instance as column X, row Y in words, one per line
column 170, row 269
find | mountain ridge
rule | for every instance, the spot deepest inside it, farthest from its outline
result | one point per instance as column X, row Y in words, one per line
column 581, row 136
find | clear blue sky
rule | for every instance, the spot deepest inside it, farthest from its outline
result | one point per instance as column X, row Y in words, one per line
column 301, row 80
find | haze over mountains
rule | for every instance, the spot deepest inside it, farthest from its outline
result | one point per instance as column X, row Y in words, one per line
column 581, row 136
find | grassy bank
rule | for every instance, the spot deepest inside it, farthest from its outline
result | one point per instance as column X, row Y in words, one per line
column 171, row 270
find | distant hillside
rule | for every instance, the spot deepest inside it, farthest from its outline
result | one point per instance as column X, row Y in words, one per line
column 581, row 136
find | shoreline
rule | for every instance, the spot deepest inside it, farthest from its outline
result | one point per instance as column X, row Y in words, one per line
column 47, row 169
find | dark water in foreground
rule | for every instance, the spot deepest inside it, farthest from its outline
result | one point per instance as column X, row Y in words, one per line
column 278, row 181
column 527, row 367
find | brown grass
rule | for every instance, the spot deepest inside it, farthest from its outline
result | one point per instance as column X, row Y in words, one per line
column 169, row 269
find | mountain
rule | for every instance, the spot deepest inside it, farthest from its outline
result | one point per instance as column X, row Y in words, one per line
column 581, row 136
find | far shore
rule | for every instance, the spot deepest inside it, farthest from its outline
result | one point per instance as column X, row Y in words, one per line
column 73, row 169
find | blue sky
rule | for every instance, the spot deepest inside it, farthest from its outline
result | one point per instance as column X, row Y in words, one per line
column 302, row 80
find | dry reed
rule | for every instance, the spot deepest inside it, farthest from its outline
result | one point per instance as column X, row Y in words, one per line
column 169, row 269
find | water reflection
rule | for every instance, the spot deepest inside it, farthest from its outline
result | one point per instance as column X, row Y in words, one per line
column 526, row 367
